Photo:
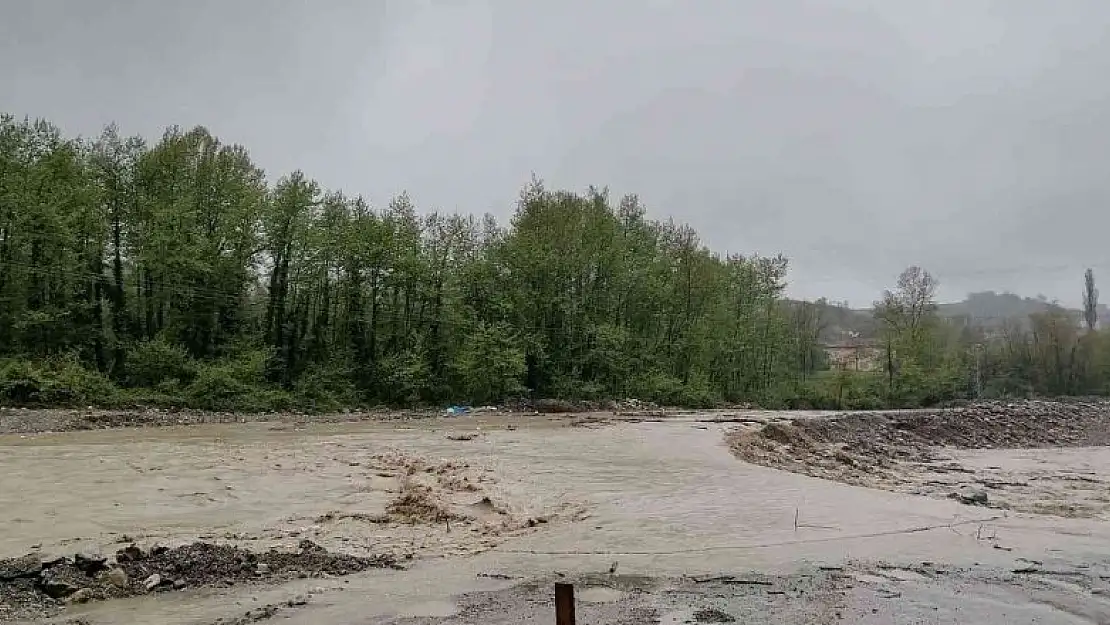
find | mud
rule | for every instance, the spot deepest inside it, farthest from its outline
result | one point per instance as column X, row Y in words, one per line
column 18, row 420
column 968, row 454
column 855, row 593
column 530, row 500
column 31, row 587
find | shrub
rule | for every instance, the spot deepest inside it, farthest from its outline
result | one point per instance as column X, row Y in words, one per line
column 157, row 362
column 491, row 365
column 324, row 388
column 403, row 378
column 668, row 390
column 60, row 381
column 236, row 384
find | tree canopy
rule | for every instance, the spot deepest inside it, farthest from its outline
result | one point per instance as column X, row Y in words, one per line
column 176, row 272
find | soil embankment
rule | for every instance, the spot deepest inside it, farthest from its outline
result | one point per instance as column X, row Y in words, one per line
column 18, row 420
column 968, row 453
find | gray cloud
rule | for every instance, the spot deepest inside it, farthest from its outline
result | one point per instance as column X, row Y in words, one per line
column 855, row 136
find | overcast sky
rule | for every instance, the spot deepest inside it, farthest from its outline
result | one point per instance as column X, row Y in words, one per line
column 857, row 137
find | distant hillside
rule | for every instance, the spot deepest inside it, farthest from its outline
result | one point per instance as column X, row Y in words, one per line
column 986, row 309
column 843, row 323
column 990, row 308
column 840, row 323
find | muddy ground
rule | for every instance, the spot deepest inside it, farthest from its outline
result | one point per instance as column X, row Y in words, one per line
column 481, row 514
column 1029, row 456
column 856, row 593
column 21, row 420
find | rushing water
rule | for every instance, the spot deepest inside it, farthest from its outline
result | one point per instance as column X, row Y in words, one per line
column 662, row 499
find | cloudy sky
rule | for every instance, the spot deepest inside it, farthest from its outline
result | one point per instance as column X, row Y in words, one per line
column 857, row 137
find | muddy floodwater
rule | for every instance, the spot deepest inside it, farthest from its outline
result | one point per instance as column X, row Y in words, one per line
column 502, row 502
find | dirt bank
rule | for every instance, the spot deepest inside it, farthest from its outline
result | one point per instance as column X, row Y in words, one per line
column 31, row 587
column 928, row 452
column 31, row 420
column 35, row 420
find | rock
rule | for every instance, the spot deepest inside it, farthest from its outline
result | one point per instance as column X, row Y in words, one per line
column 130, row 553
column 713, row 615
column 152, row 582
column 178, row 584
column 971, row 497
column 28, row 566
column 262, row 569
column 59, row 561
column 118, row 577
column 90, row 564
column 57, row 588
column 81, row 596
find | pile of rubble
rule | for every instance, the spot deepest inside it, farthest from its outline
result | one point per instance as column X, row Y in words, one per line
column 856, row 447
column 33, row 587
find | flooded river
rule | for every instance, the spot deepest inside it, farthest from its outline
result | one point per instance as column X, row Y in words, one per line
column 652, row 498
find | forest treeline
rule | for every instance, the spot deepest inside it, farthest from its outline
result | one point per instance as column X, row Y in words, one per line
column 173, row 273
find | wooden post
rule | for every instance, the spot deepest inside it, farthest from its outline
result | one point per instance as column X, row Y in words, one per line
column 564, row 604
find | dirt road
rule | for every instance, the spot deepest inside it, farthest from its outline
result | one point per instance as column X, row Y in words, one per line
column 494, row 512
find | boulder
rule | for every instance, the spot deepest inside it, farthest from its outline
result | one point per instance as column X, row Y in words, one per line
column 152, row 582
column 130, row 553
column 118, row 577
column 971, row 496
column 57, row 588
column 81, row 596
column 90, row 564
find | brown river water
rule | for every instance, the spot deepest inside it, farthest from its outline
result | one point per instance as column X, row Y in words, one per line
column 657, row 498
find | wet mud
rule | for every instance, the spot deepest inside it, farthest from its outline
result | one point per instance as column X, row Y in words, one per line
column 856, row 593
column 487, row 511
column 1042, row 457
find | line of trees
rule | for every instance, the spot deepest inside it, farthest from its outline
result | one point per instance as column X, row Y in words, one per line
column 174, row 272
column 929, row 359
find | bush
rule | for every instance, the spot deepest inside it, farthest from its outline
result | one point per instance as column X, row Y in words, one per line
column 491, row 365
column 154, row 363
column 403, row 378
column 325, row 388
column 236, row 384
column 668, row 390
column 61, row 381
column 831, row 390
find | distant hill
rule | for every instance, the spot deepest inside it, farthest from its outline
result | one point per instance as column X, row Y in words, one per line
column 843, row 323
column 986, row 309
column 990, row 308
column 839, row 323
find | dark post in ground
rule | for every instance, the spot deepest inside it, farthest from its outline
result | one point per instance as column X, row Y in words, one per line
column 564, row 604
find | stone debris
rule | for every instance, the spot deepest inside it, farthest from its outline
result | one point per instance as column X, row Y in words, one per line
column 33, row 588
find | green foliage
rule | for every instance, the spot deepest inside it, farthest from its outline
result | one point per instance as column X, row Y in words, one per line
column 403, row 377
column 490, row 366
column 237, row 383
column 60, row 381
column 159, row 363
column 326, row 388
column 175, row 271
